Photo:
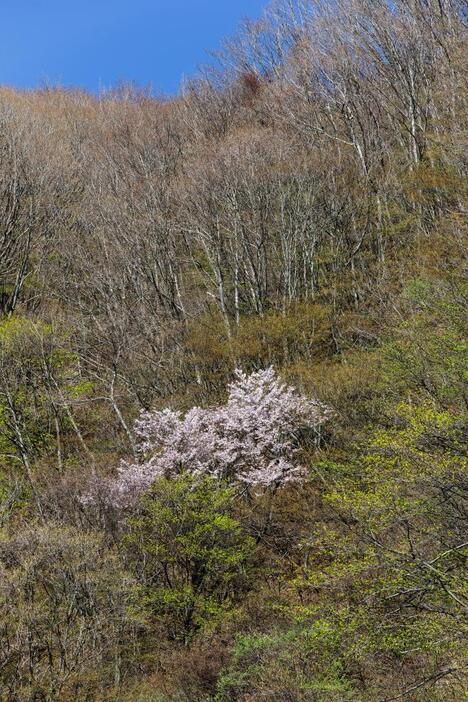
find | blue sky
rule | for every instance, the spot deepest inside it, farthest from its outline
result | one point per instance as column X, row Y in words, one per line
column 97, row 43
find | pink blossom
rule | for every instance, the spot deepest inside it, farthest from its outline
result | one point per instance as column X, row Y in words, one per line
column 253, row 438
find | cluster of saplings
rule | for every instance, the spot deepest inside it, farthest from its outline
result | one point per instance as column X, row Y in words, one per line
column 233, row 406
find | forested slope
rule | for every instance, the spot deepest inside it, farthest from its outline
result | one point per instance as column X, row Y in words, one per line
column 298, row 212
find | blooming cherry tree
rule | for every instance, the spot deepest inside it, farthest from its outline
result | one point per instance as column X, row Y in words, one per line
column 252, row 439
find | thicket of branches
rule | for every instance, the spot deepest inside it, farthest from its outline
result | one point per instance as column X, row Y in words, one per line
column 301, row 204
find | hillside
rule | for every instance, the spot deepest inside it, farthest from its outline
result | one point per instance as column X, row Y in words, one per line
column 233, row 377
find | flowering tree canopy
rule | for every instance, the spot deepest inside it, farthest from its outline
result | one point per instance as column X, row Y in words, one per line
column 253, row 438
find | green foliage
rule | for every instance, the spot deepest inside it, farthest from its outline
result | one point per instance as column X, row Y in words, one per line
column 24, row 426
column 190, row 554
column 428, row 355
column 304, row 662
column 395, row 539
column 39, row 380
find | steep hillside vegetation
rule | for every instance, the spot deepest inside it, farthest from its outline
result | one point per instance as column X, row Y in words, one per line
column 297, row 213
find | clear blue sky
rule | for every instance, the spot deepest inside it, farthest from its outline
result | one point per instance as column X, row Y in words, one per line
column 97, row 43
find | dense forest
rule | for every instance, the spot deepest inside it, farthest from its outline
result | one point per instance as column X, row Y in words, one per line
column 233, row 378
